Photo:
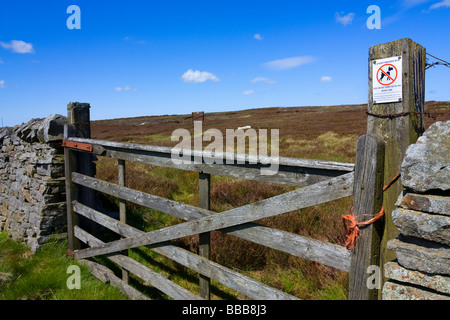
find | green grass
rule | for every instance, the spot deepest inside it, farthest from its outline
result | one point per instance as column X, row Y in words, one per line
column 43, row 275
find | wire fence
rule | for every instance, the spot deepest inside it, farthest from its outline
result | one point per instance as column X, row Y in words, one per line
column 441, row 62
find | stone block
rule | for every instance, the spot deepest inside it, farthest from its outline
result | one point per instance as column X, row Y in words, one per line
column 421, row 255
column 396, row 291
column 439, row 283
column 5, row 132
column 422, row 225
column 51, row 128
column 50, row 170
column 54, row 209
column 28, row 131
column 425, row 203
column 426, row 165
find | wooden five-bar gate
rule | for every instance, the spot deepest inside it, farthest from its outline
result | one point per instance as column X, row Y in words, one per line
column 317, row 181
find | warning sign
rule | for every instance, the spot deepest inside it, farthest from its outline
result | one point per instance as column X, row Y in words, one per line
column 387, row 80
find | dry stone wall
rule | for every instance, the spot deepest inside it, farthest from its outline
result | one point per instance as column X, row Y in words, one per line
column 422, row 268
column 32, row 199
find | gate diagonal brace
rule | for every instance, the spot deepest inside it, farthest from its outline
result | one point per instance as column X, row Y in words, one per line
column 325, row 191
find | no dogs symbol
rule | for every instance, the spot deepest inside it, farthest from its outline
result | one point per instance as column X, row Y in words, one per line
column 387, row 74
column 387, row 87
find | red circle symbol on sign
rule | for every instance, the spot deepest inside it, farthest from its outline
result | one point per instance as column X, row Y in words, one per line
column 385, row 74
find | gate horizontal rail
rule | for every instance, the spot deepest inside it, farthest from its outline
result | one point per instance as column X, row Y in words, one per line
column 291, row 171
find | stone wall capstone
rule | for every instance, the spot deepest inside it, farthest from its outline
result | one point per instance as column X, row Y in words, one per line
column 32, row 198
column 422, row 268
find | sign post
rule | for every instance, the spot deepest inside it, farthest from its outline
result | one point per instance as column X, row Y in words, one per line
column 395, row 116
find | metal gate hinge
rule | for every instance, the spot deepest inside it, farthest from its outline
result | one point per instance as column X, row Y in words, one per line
column 77, row 145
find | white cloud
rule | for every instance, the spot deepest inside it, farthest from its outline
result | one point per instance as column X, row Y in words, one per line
column 345, row 20
column 248, row 92
column 444, row 3
column 257, row 36
column 2, row 84
column 326, row 79
column 126, row 88
column 18, row 46
column 288, row 63
column 261, row 79
column 196, row 76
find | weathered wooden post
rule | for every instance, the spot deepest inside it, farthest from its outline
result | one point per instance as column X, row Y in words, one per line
column 367, row 201
column 204, row 185
column 395, row 112
column 198, row 116
column 70, row 164
column 78, row 118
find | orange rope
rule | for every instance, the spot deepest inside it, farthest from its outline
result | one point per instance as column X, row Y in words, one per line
column 352, row 229
column 390, row 183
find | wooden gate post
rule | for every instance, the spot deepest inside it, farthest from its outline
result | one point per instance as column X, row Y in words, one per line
column 367, row 201
column 398, row 123
column 70, row 164
column 78, row 125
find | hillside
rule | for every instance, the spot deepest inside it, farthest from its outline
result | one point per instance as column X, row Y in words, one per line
column 294, row 123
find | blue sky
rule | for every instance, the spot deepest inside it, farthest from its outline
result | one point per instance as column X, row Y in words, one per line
column 135, row 58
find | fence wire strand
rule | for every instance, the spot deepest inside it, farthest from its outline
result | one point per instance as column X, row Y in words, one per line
column 441, row 62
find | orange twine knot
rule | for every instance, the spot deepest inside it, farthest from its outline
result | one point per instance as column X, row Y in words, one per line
column 352, row 229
